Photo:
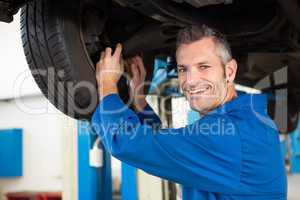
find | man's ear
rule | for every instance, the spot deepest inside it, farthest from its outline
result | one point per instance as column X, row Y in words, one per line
column 230, row 71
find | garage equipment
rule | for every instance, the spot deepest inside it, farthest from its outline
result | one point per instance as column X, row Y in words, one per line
column 11, row 159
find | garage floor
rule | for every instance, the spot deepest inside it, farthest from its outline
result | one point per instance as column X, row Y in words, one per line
column 294, row 187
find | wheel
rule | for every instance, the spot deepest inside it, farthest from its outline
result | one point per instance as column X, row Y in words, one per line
column 62, row 41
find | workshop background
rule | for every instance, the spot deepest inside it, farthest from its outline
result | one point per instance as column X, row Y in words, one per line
column 46, row 155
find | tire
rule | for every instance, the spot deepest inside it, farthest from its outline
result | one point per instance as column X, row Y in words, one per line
column 58, row 58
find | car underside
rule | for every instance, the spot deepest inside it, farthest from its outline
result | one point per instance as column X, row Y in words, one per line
column 264, row 36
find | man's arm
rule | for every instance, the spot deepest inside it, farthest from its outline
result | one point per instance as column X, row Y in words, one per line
column 193, row 156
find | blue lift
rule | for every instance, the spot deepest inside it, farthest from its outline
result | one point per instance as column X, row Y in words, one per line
column 95, row 183
column 11, row 153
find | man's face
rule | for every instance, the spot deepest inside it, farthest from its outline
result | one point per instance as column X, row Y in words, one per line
column 201, row 74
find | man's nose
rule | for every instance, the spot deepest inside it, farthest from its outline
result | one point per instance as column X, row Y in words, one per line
column 192, row 76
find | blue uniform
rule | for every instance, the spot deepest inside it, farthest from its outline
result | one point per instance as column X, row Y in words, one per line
column 233, row 152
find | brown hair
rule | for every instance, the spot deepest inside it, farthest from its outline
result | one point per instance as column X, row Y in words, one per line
column 193, row 33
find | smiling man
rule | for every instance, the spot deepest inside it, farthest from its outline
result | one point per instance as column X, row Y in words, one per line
column 232, row 152
column 205, row 69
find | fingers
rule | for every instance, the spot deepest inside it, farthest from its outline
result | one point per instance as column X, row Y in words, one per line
column 102, row 56
column 118, row 50
column 100, row 61
column 140, row 65
column 105, row 54
column 110, row 65
column 135, row 71
column 108, row 51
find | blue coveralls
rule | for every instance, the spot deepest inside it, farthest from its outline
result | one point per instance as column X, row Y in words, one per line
column 232, row 152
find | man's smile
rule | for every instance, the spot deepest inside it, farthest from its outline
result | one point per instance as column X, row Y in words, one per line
column 202, row 90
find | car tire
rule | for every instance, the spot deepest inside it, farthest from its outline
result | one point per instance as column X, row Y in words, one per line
column 58, row 59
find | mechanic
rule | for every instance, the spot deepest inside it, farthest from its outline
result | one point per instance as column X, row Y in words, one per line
column 232, row 152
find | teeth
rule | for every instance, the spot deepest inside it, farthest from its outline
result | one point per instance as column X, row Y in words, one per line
column 199, row 90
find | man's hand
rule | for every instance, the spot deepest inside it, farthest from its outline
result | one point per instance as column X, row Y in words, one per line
column 137, row 82
column 109, row 70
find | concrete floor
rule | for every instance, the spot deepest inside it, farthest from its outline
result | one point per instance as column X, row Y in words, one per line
column 294, row 187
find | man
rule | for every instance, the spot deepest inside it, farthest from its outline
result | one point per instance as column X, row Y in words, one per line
column 232, row 152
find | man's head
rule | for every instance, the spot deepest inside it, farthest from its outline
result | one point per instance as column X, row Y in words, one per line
column 206, row 70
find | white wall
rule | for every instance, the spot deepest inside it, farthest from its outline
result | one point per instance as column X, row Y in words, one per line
column 43, row 147
column 13, row 66
column 49, row 140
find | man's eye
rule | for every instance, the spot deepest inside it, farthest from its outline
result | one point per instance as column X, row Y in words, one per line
column 203, row 67
column 181, row 70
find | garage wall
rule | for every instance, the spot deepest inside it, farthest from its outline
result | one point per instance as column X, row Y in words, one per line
column 14, row 71
column 45, row 132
